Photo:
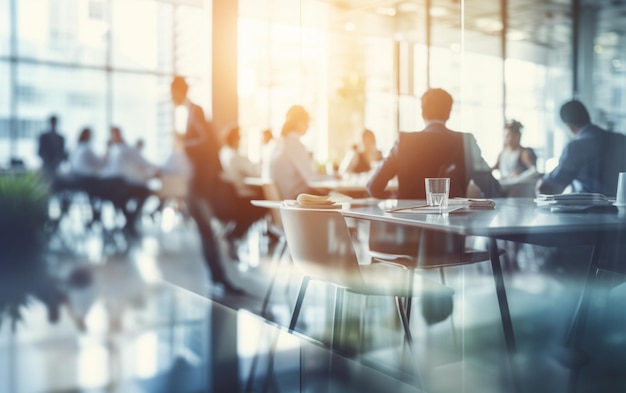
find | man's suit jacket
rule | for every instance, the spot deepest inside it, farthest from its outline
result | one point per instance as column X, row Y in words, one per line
column 590, row 163
column 51, row 149
column 202, row 148
column 434, row 152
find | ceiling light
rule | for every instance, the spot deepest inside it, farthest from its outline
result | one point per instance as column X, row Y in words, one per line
column 387, row 11
column 349, row 26
column 516, row 35
column 407, row 7
column 488, row 25
column 437, row 12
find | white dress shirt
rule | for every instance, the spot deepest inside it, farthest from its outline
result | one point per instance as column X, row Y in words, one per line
column 84, row 161
column 126, row 162
column 292, row 167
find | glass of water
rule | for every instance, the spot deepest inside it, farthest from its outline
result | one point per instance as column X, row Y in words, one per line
column 437, row 192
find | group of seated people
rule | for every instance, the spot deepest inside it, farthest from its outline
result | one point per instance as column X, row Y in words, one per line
column 119, row 176
column 590, row 162
column 219, row 170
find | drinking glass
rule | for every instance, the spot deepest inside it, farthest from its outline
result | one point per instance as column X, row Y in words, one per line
column 437, row 192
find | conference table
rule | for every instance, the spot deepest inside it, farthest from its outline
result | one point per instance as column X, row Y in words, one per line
column 519, row 220
column 514, row 219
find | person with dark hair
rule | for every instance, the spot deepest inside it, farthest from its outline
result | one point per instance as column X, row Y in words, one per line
column 514, row 159
column 591, row 161
column 435, row 151
column 363, row 156
column 291, row 166
column 125, row 174
column 267, row 147
column 516, row 164
column 83, row 159
column 207, row 190
column 236, row 168
column 51, row 149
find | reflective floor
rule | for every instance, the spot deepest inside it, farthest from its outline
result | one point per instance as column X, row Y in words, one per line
column 128, row 313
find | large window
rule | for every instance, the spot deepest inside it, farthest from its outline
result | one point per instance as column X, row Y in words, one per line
column 95, row 63
column 609, row 78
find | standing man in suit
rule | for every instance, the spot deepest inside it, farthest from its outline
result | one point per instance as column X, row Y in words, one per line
column 202, row 148
column 435, row 151
column 590, row 162
column 51, row 149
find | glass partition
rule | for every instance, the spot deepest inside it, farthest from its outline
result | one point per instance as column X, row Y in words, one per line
column 609, row 77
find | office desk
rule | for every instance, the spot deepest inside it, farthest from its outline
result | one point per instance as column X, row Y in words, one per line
column 518, row 220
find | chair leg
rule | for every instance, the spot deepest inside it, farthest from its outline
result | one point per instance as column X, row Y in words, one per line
column 298, row 306
column 454, row 338
column 278, row 252
column 294, row 318
column 409, row 340
column 337, row 314
column 362, row 326
column 408, row 301
column 405, row 321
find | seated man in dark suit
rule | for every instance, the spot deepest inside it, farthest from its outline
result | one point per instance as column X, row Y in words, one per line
column 434, row 152
column 591, row 162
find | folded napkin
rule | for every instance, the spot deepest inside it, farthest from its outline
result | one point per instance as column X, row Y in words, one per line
column 473, row 203
column 332, row 200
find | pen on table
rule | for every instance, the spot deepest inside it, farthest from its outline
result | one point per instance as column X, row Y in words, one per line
column 407, row 208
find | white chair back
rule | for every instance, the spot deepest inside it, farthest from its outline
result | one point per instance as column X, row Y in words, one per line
column 321, row 246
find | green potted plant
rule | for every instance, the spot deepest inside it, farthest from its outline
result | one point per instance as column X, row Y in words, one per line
column 23, row 219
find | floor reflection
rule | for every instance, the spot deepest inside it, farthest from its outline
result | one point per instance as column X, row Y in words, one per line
column 130, row 314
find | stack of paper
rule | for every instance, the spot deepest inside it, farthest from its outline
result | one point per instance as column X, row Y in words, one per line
column 579, row 199
column 473, row 203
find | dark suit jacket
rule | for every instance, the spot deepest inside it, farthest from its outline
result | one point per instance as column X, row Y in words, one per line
column 202, row 148
column 590, row 163
column 434, row 152
column 51, row 149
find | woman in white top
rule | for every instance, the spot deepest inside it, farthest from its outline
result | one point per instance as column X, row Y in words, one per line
column 236, row 167
column 517, row 164
column 83, row 160
column 125, row 161
column 292, row 166
column 514, row 159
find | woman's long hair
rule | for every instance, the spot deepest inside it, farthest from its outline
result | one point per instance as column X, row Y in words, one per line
column 294, row 116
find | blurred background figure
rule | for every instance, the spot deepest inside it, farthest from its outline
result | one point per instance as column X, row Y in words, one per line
column 83, row 159
column 206, row 188
column 236, row 166
column 51, row 149
column 139, row 144
column 84, row 173
column 268, row 144
column 292, row 166
column 361, row 157
column 517, row 164
column 514, row 159
column 127, row 172
column 125, row 161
